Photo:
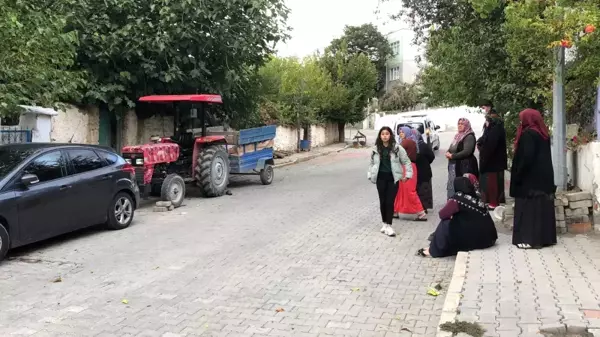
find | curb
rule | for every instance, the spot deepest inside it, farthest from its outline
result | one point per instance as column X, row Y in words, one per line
column 307, row 158
column 449, row 312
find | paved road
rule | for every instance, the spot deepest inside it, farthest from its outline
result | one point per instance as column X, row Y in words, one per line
column 303, row 257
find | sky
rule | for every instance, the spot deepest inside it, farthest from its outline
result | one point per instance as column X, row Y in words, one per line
column 316, row 22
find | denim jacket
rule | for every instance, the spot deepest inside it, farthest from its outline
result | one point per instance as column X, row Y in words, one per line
column 398, row 158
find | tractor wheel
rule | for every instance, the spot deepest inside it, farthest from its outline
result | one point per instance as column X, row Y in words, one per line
column 266, row 175
column 173, row 190
column 212, row 171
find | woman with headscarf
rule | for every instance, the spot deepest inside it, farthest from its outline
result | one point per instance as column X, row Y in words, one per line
column 493, row 159
column 461, row 158
column 475, row 184
column 407, row 200
column 425, row 157
column 532, row 184
column 465, row 223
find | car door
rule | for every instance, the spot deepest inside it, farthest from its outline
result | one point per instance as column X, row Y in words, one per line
column 92, row 185
column 44, row 207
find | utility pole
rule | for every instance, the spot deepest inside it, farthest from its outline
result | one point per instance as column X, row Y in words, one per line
column 598, row 111
column 558, row 122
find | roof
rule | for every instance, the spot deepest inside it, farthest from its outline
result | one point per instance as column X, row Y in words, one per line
column 207, row 98
column 38, row 110
column 40, row 146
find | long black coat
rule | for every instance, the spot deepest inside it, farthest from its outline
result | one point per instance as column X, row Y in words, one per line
column 532, row 170
column 424, row 159
column 492, row 148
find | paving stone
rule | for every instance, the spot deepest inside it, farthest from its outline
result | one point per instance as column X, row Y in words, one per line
column 205, row 270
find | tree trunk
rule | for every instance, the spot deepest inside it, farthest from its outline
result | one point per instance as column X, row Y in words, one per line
column 306, row 132
column 342, row 132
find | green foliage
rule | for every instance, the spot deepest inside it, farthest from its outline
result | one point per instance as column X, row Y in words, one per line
column 402, row 97
column 504, row 51
column 293, row 91
column 354, row 77
column 132, row 48
column 37, row 56
column 366, row 39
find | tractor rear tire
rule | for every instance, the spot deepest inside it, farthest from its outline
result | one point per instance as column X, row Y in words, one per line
column 212, row 171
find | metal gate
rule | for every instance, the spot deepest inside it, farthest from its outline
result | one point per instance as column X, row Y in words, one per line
column 15, row 136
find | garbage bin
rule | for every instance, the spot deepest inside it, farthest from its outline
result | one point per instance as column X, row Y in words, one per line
column 305, row 145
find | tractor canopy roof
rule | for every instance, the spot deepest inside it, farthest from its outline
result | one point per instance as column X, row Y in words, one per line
column 206, row 98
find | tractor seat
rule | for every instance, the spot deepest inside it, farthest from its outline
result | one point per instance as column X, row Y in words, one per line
column 186, row 140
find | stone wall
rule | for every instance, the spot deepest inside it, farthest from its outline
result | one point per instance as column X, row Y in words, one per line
column 76, row 125
column 574, row 212
column 321, row 135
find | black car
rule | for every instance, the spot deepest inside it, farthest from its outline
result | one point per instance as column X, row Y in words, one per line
column 51, row 189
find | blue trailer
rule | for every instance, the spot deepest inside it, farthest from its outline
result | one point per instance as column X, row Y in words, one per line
column 251, row 152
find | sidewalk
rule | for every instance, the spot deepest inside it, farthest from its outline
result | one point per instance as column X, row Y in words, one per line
column 308, row 155
column 513, row 292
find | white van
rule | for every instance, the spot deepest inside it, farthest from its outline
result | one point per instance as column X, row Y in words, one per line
column 424, row 125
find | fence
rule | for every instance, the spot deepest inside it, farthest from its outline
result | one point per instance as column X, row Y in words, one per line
column 15, row 136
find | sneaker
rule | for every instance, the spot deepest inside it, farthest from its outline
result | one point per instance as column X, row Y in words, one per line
column 389, row 231
column 383, row 228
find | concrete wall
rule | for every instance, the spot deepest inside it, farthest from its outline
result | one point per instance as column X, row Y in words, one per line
column 587, row 173
column 321, row 135
column 76, row 125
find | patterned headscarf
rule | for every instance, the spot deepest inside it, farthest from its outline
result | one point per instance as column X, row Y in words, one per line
column 473, row 179
column 467, row 130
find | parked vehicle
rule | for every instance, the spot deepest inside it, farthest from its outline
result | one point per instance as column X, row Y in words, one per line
column 206, row 157
column 49, row 189
column 424, row 125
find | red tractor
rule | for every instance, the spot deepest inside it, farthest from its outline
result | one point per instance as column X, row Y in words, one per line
column 164, row 165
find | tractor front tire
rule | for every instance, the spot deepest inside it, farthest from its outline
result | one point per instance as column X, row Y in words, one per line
column 212, row 171
column 173, row 190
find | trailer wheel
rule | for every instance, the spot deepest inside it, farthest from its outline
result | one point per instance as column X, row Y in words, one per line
column 173, row 190
column 266, row 175
column 212, row 171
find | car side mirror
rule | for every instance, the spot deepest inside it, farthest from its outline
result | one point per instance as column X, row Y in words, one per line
column 29, row 179
column 437, row 127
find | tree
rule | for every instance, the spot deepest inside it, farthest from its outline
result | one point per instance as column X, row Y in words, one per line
column 402, row 97
column 293, row 91
column 366, row 39
column 354, row 77
column 135, row 47
column 37, row 56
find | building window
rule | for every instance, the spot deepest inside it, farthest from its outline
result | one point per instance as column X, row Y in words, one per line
column 395, row 48
column 394, row 74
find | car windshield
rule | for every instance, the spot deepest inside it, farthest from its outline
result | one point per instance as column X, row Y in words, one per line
column 11, row 157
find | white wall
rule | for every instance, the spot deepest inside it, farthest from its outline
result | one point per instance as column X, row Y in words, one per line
column 446, row 118
column 587, row 173
column 321, row 135
column 77, row 125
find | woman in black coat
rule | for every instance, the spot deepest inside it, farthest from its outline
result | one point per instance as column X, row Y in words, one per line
column 492, row 160
column 461, row 158
column 532, row 184
column 425, row 157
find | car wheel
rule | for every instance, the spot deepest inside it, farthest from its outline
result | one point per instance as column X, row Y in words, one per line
column 4, row 242
column 120, row 212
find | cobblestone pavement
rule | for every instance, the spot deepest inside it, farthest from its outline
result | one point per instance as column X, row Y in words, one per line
column 302, row 257
column 514, row 292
